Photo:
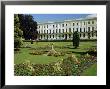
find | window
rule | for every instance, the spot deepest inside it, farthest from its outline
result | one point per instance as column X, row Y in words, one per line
column 50, row 36
column 53, row 26
column 66, row 24
column 53, row 31
column 44, row 31
column 50, row 31
column 84, row 35
column 77, row 23
column 77, row 29
column 84, row 29
column 73, row 29
column 62, row 25
column 66, row 30
column 47, row 36
column 69, row 35
column 92, row 28
column 63, row 30
column 47, row 31
column 47, row 26
column 89, row 22
column 80, row 30
column 44, row 26
column 39, row 26
column 56, row 30
column 73, row 24
column 53, row 36
column 92, row 22
column 56, row 25
column 69, row 29
column 41, row 36
column 59, row 30
column 88, row 29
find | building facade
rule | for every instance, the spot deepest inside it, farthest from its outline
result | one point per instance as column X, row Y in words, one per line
column 86, row 27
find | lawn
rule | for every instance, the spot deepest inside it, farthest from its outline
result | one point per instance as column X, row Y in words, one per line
column 91, row 71
column 62, row 47
column 67, row 47
column 35, row 59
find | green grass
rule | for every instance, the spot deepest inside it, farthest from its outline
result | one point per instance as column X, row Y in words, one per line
column 24, row 55
column 39, row 59
column 91, row 71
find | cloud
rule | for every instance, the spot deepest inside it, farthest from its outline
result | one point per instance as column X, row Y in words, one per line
column 92, row 16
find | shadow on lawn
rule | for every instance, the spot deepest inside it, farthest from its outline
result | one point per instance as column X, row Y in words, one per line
column 81, row 53
column 72, row 48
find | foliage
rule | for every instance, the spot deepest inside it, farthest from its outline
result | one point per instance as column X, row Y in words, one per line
column 54, row 53
column 92, row 51
column 17, row 32
column 70, row 65
column 76, row 39
column 51, row 52
column 35, row 52
column 17, row 42
column 89, row 34
column 65, row 67
column 28, row 26
column 24, row 69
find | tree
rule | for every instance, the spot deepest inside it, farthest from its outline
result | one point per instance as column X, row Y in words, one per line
column 89, row 33
column 76, row 39
column 28, row 26
column 17, row 32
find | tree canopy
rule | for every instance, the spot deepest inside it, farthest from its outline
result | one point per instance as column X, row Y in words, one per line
column 17, row 32
column 28, row 26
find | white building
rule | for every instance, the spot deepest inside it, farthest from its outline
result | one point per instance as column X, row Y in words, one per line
column 86, row 27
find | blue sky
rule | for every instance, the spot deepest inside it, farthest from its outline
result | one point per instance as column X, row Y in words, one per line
column 42, row 18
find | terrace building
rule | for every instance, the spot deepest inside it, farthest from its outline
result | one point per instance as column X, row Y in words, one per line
column 86, row 27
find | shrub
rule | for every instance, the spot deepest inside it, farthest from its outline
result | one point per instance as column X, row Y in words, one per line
column 17, row 42
column 54, row 53
column 51, row 52
column 66, row 67
column 86, row 61
column 24, row 69
column 16, row 49
column 70, row 65
column 92, row 51
column 57, row 54
column 35, row 52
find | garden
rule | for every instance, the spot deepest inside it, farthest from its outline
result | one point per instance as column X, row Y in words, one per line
column 56, row 59
column 35, row 58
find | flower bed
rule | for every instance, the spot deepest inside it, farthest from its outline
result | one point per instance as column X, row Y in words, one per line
column 70, row 66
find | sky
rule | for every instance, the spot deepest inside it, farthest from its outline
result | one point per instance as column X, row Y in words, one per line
column 42, row 18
